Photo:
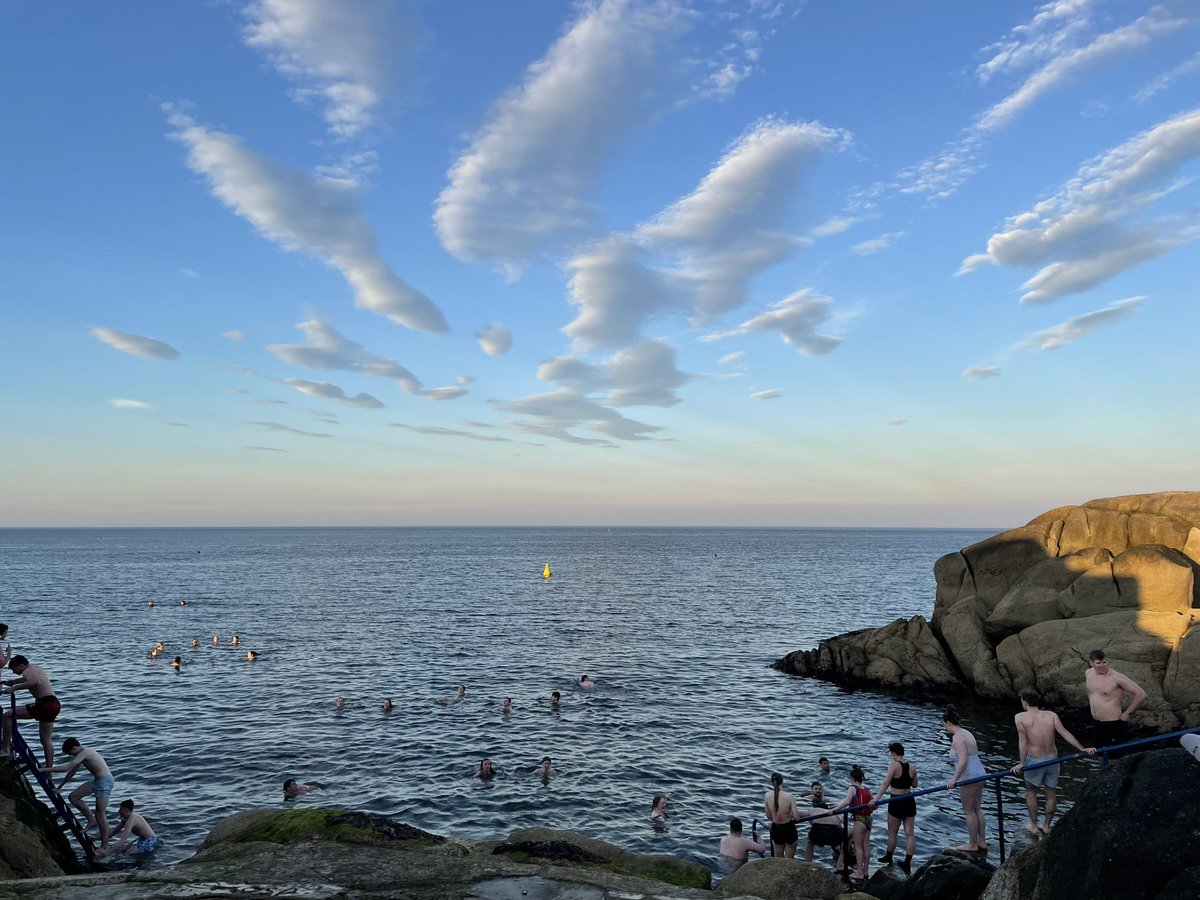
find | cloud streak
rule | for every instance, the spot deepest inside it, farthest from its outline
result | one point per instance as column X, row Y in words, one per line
column 796, row 318
column 288, row 429
column 494, row 340
column 520, row 188
column 304, row 213
column 345, row 54
column 135, row 344
column 332, row 392
column 1060, row 335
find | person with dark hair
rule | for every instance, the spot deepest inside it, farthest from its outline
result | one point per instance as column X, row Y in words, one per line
column 860, row 834
column 1106, row 689
column 101, row 784
column 44, row 708
column 826, row 831
column 136, row 835
column 6, row 650
column 1036, row 728
column 658, row 810
column 292, row 789
column 824, row 773
column 555, row 699
column 901, row 778
column 964, row 756
column 781, row 813
column 736, row 849
column 585, row 682
column 545, row 769
column 486, row 770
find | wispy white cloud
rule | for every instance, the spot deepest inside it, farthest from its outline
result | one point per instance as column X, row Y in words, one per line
column 495, row 339
column 554, row 414
column 264, row 449
column 1080, row 326
column 975, row 373
column 306, row 213
column 275, row 426
column 270, row 401
column 451, row 432
column 329, row 350
column 797, row 318
column 701, row 253
column 770, row 394
column 1060, row 38
column 344, row 54
column 730, row 358
column 130, row 404
column 1053, row 29
column 1087, row 232
column 135, row 344
column 237, row 390
column 189, row 273
column 835, row 225
column 1137, row 35
column 234, row 335
column 332, row 392
column 876, row 245
column 1163, row 82
column 897, row 421
column 520, row 188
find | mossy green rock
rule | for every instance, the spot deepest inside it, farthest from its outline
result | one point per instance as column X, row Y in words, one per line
column 782, row 879
column 668, row 869
column 288, row 825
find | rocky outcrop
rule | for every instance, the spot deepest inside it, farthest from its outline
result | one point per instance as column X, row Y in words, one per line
column 948, row 876
column 782, row 879
column 31, row 844
column 1133, row 834
column 1025, row 607
column 335, row 854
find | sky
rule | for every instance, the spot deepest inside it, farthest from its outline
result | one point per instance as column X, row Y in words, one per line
column 619, row 262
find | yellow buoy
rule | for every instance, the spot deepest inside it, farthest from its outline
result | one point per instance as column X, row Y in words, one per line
column 546, row 571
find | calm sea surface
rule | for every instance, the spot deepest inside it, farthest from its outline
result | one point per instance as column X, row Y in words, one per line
column 677, row 626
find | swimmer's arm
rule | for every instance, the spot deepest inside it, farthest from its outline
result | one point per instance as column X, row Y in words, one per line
column 1070, row 738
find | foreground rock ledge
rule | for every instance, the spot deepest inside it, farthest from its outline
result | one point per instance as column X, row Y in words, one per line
column 1023, row 609
column 331, row 854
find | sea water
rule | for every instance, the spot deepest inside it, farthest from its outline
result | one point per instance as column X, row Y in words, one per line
column 677, row 626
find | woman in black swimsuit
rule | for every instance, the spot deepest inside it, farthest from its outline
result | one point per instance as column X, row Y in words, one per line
column 781, row 813
column 901, row 778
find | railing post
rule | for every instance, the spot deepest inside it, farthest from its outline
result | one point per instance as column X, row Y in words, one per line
column 1000, row 815
column 845, row 848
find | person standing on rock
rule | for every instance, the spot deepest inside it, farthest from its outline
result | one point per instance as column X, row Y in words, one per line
column 781, row 813
column 1036, row 728
column 901, row 778
column 1106, row 689
column 964, row 755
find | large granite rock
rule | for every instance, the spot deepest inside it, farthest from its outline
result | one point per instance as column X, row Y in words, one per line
column 947, row 876
column 31, row 844
column 1025, row 608
column 782, row 879
column 1133, row 834
column 334, row 854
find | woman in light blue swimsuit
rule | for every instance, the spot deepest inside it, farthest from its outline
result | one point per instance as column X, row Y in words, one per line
column 964, row 755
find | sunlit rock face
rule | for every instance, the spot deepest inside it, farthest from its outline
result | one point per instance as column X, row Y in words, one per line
column 1024, row 608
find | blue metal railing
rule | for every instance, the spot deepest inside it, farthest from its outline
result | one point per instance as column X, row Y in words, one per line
column 1102, row 753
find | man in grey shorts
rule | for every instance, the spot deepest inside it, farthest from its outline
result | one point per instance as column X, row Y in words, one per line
column 1036, row 728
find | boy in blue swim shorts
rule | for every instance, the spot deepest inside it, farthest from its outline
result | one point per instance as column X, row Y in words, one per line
column 136, row 835
column 100, row 785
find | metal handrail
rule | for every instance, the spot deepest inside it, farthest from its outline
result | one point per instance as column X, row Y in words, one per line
column 996, row 778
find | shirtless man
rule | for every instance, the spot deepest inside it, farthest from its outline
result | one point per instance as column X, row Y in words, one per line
column 1036, row 728
column 546, row 769
column 136, row 835
column 737, row 849
column 44, row 708
column 101, row 784
column 1106, row 689
column 6, row 650
column 826, row 831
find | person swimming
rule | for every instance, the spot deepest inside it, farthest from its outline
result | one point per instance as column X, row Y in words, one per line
column 195, row 643
column 176, row 663
column 251, row 656
column 339, row 704
column 506, row 706
column 486, row 770
column 183, row 603
column 292, row 789
column 235, row 640
column 555, row 698
column 216, row 640
column 388, row 706
column 658, row 810
column 585, row 682
column 150, row 603
column 546, row 769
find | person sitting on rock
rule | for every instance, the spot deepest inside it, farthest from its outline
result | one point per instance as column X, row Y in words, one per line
column 1036, row 728
column 736, row 849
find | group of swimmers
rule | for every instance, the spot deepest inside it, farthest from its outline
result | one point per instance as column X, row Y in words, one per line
column 1037, row 728
column 134, row 834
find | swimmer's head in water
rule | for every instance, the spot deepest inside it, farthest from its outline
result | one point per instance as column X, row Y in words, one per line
column 290, row 783
column 545, row 760
column 555, row 696
column 387, row 705
column 462, row 690
column 70, row 745
column 823, row 762
column 251, row 655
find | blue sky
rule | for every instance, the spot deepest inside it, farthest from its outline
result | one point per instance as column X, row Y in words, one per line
column 618, row 262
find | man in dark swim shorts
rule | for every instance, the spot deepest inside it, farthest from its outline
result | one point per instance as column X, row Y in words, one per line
column 44, row 709
column 826, row 831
